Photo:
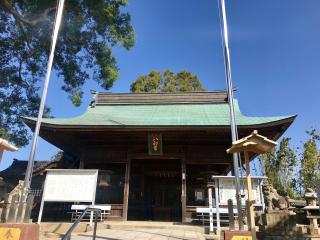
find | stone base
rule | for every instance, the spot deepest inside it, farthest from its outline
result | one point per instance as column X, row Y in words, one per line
column 314, row 231
column 280, row 222
column 307, row 230
column 274, row 218
column 17, row 231
column 299, row 232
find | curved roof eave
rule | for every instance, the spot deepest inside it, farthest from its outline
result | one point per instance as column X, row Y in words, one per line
column 31, row 122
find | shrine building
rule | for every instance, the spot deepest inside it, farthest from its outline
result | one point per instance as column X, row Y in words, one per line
column 155, row 151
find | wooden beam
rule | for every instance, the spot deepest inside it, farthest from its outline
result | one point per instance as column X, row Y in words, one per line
column 249, row 185
column 183, row 188
column 144, row 156
column 126, row 189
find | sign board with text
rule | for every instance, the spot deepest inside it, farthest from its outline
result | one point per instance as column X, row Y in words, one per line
column 155, row 143
column 227, row 190
column 69, row 185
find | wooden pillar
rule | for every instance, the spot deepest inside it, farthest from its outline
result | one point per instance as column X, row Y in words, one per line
column 142, row 193
column 126, row 190
column 249, row 185
column 183, row 188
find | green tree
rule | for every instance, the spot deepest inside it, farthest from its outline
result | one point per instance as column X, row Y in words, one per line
column 280, row 166
column 270, row 168
column 167, row 82
column 287, row 160
column 310, row 162
column 84, row 51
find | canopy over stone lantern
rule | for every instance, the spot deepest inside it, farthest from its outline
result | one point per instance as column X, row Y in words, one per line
column 4, row 145
column 257, row 144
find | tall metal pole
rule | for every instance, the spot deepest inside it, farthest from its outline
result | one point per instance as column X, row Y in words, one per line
column 28, row 177
column 231, row 107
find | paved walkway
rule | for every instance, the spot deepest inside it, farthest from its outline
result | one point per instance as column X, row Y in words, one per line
column 141, row 234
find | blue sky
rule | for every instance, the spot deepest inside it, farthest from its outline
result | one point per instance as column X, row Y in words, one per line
column 274, row 46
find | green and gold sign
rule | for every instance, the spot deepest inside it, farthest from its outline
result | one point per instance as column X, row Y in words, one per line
column 155, row 143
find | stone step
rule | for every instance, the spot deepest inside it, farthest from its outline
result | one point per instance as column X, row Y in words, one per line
column 54, row 231
column 152, row 225
column 142, row 234
column 62, row 227
column 50, row 236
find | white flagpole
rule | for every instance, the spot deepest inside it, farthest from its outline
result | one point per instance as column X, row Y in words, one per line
column 28, row 177
column 231, row 107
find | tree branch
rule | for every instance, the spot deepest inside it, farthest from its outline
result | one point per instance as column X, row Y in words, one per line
column 42, row 16
column 8, row 7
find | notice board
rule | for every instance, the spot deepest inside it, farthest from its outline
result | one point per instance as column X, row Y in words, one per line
column 69, row 185
column 227, row 190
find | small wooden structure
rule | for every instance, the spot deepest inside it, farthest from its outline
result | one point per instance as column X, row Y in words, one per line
column 256, row 144
column 4, row 145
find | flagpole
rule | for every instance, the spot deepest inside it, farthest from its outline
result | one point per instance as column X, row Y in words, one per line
column 28, row 176
column 233, row 123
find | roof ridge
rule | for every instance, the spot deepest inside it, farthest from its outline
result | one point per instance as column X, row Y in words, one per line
column 159, row 98
column 150, row 93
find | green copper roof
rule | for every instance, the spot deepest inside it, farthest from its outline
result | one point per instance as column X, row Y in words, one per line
column 199, row 114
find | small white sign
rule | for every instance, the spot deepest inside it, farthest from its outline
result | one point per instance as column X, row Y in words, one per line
column 199, row 195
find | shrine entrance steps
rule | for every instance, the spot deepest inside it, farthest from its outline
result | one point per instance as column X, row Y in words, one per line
column 142, row 234
column 128, row 230
column 127, row 225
